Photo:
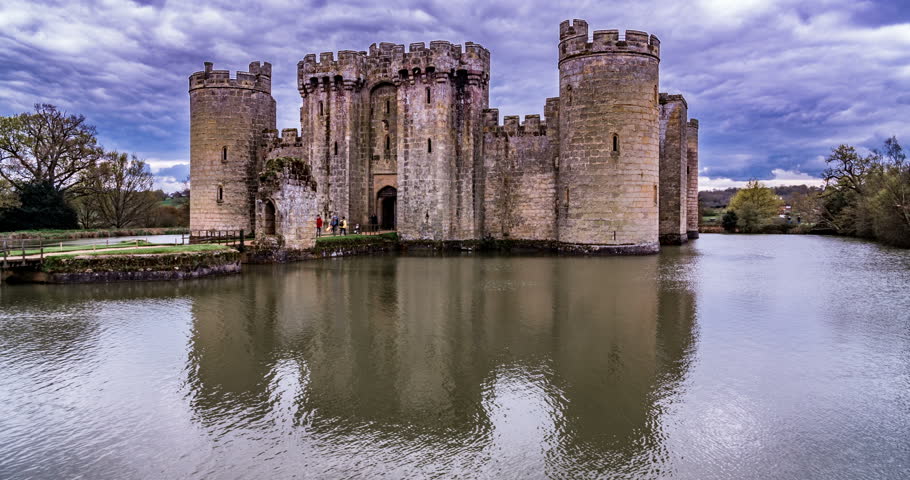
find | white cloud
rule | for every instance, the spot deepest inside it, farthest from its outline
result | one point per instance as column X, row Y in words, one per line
column 779, row 178
column 773, row 82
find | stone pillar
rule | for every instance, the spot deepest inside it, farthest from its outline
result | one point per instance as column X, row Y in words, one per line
column 693, row 216
column 673, row 164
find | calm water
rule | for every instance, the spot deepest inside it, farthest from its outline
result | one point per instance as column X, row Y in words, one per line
column 735, row 357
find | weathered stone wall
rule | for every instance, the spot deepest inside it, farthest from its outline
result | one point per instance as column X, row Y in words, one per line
column 673, row 164
column 520, row 178
column 609, row 129
column 692, row 215
column 382, row 142
column 286, row 205
column 227, row 118
column 436, row 97
column 331, row 121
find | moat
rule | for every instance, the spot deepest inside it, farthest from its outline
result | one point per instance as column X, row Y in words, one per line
column 730, row 357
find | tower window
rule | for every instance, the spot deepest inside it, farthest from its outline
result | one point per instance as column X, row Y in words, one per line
column 223, row 154
column 336, row 148
column 655, row 195
column 387, row 106
column 429, row 146
column 388, row 144
column 321, row 109
column 219, row 196
column 428, row 94
column 615, row 143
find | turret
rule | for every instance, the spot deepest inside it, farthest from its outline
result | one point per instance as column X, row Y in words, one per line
column 227, row 119
column 607, row 193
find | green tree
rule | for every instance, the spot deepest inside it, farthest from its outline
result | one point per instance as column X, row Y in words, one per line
column 729, row 221
column 40, row 206
column 8, row 196
column 47, row 147
column 118, row 190
column 755, row 206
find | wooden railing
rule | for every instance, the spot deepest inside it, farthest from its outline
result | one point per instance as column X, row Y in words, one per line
column 221, row 237
column 25, row 251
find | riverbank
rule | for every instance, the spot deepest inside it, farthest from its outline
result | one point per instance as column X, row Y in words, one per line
column 89, row 233
column 139, row 264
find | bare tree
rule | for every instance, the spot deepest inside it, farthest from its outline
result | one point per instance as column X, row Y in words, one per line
column 119, row 190
column 47, row 146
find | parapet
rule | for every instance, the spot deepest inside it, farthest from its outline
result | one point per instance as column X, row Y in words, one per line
column 259, row 78
column 693, row 123
column 390, row 62
column 289, row 136
column 573, row 41
column 666, row 98
column 511, row 126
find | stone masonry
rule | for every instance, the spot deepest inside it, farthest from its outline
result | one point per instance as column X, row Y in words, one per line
column 692, row 215
column 407, row 136
column 673, row 165
column 227, row 118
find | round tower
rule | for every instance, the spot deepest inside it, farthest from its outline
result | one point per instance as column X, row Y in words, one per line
column 609, row 144
column 227, row 118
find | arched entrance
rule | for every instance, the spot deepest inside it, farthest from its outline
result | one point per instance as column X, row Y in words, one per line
column 269, row 218
column 387, row 207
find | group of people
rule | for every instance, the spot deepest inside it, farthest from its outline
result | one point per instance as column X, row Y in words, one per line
column 337, row 225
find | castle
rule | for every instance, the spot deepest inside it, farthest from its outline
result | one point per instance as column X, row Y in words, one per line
column 408, row 136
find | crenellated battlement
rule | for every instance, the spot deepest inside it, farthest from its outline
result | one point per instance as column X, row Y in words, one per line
column 532, row 125
column 390, row 62
column 259, row 78
column 574, row 41
column 290, row 137
column 666, row 98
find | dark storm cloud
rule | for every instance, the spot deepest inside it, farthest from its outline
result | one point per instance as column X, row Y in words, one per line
column 775, row 84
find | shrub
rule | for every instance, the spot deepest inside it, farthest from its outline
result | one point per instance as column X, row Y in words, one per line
column 729, row 221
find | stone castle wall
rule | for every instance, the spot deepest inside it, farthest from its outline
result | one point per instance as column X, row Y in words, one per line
column 394, row 118
column 609, row 130
column 610, row 169
column 286, row 205
column 227, row 116
column 692, row 214
column 520, row 178
column 673, row 164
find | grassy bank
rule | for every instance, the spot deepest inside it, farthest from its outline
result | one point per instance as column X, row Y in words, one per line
column 89, row 233
column 182, row 257
column 159, row 249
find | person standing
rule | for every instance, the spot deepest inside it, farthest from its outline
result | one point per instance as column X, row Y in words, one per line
column 318, row 225
column 334, row 224
column 344, row 226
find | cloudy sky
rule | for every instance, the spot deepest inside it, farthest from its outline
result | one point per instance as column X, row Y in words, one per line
column 775, row 83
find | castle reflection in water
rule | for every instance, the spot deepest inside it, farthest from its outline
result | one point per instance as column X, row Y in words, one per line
column 447, row 360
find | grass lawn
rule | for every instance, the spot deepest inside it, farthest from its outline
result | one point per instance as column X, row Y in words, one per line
column 166, row 249
column 70, row 248
column 360, row 238
column 51, row 234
